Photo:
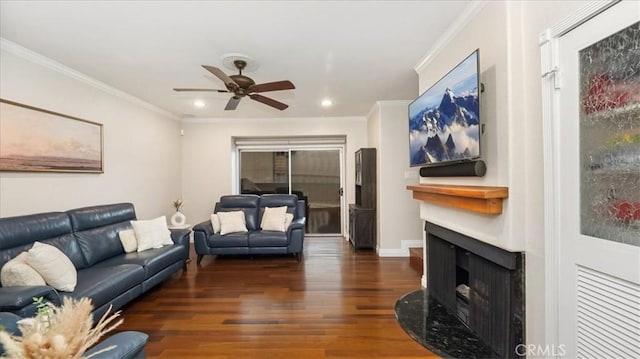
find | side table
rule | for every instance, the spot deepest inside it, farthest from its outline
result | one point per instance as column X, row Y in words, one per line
column 182, row 228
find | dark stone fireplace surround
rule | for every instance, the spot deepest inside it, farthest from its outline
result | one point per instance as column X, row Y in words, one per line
column 486, row 319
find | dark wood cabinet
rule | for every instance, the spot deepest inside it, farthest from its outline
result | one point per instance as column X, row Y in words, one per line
column 362, row 214
column 366, row 178
column 362, row 227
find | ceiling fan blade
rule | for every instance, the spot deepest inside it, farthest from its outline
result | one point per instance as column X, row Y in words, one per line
column 233, row 103
column 272, row 86
column 269, row 101
column 221, row 75
column 198, row 90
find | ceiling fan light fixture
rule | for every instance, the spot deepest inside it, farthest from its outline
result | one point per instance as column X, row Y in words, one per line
column 199, row 103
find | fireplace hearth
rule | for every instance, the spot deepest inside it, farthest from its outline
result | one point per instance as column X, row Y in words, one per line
column 481, row 284
column 473, row 306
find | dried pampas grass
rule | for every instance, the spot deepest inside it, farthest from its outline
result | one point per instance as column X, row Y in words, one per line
column 59, row 332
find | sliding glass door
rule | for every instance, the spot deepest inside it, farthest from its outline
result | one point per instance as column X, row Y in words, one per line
column 313, row 174
column 316, row 174
column 264, row 171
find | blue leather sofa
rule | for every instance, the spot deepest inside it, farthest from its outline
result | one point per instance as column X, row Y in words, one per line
column 255, row 241
column 128, row 344
column 89, row 237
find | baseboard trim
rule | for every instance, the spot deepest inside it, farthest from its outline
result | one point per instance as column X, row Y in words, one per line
column 403, row 251
column 392, row 253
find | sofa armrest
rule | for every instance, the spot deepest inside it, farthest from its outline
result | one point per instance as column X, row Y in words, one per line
column 129, row 345
column 19, row 300
column 9, row 323
column 201, row 233
column 295, row 235
column 205, row 227
column 180, row 236
column 295, row 224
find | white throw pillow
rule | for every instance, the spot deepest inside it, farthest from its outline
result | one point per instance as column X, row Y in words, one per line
column 128, row 240
column 215, row 223
column 54, row 266
column 17, row 273
column 166, row 239
column 273, row 219
column 232, row 222
column 288, row 218
column 152, row 233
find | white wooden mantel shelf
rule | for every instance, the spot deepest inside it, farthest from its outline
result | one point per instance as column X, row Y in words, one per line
column 479, row 199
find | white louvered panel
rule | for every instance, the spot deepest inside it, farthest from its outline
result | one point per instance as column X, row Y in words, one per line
column 608, row 316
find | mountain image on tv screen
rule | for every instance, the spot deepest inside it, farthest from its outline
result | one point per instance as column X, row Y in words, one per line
column 444, row 121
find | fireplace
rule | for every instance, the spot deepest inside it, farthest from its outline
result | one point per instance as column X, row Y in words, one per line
column 482, row 285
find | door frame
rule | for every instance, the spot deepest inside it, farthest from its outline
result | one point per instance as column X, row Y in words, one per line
column 329, row 146
column 551, row 84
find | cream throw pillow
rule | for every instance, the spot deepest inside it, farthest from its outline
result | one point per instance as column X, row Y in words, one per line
column 288, row 218
column 152, row 233
column 54, row 266
column 232, row 222
column 128, row 240
column 215, row 223
column 17, row 273
column 273, row 219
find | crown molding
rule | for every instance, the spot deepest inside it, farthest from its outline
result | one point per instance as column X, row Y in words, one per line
column 469, row 13
column 38, row 59
column 579, row 17
column 259, row 120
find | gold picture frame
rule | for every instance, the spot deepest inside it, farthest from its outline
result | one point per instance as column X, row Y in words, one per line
column 37, row 140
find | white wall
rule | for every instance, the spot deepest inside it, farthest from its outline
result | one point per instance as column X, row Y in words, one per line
column 490, row 36
column 398, row 223
column 141, row 146
column 208, row 163
column 535, row 18
column 507, row 35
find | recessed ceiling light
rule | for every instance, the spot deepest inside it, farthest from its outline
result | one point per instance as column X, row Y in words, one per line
column 326, row 102
column 199, row 103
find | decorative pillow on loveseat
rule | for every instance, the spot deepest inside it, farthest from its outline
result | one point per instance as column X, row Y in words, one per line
column 288, row 219
column 232, row 222
column 215, row 223
column 54, row 266
column 17, row 273
column 273, row 219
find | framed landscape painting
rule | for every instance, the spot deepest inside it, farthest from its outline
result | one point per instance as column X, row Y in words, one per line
column 37, row 140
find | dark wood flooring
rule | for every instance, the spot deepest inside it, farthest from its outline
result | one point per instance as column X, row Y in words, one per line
column 333, row 304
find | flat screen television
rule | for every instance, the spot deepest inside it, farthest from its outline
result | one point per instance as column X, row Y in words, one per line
column 444, row 122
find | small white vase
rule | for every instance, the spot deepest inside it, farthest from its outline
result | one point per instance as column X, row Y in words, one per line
column 178, row 219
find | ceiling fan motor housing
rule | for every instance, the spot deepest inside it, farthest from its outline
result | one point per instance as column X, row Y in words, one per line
column 243, row 84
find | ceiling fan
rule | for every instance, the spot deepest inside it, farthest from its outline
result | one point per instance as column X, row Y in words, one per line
column 242, row 86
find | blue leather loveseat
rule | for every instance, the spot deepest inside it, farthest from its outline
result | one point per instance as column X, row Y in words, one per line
column 255, row 240
column 89, row 237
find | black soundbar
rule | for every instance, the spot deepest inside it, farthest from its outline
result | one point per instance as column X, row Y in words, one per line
column 475, row 168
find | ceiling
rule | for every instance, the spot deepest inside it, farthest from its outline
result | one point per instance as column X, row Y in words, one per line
column 353, row 52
